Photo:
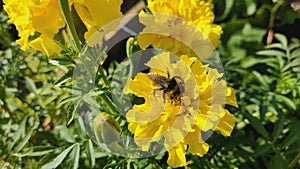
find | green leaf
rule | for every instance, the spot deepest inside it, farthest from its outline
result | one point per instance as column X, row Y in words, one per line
column 295, row 54
column 295, row 62
column 296, row 69
column 293, row 136
column 251, row 7
column 285, row 101
column 90, row 152
column 249, row 62
column 37, row 153
column 271, row 53
column 282, row 39
column 91, row 101
column 278, row 162
column 261, row 80
column 76, row 156
column 58, row 160
column 30, row 85
column 275, row 45
column 262, row 150
column 26, row 138
column 58, row 61
column 72, row 111
column 228, row 7
column 278, row 128
column 65, row 133
column 258, row 126
column 295, row 161
column 19, row 134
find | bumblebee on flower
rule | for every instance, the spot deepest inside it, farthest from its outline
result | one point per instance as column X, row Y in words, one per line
column 179, row 123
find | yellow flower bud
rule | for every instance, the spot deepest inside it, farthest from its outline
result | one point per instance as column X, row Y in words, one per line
column 106, row 128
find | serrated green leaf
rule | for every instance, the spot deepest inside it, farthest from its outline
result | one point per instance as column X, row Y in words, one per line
column 59, row 159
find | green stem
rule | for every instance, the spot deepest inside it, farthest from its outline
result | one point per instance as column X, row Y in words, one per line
column 64, row 6
column 145, row 6
column 273, row 14
column 294, row 161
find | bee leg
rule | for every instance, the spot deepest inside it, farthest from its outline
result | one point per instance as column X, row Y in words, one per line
column 168, row 73
column 154, row 91
column 164, row 96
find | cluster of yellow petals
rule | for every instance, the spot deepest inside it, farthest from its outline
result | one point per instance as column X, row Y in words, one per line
column 32, row 17
column 38, row 21
column 180, row 126
column 195, row 32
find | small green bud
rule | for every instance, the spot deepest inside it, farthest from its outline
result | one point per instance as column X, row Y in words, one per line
column 106, row 128
column 132, row 46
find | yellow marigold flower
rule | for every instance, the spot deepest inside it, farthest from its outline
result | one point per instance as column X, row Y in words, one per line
column 97, row 13
column 181, row 27
column 179, row 122
column 31, row 17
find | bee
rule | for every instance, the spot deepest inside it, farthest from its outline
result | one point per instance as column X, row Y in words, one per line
column 170, row 86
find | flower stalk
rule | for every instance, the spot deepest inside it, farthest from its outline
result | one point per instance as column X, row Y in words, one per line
column 64, row 5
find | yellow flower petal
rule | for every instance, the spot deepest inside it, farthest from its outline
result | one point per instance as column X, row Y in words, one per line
column 226, row 123
column 231, row 98
column 177, row 156
column 97, row 13
column 46, row 45
column 30, row 17
column 196, row 145
column 181, row 27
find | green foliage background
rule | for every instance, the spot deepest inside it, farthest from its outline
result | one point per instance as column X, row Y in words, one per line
column 40, row 129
